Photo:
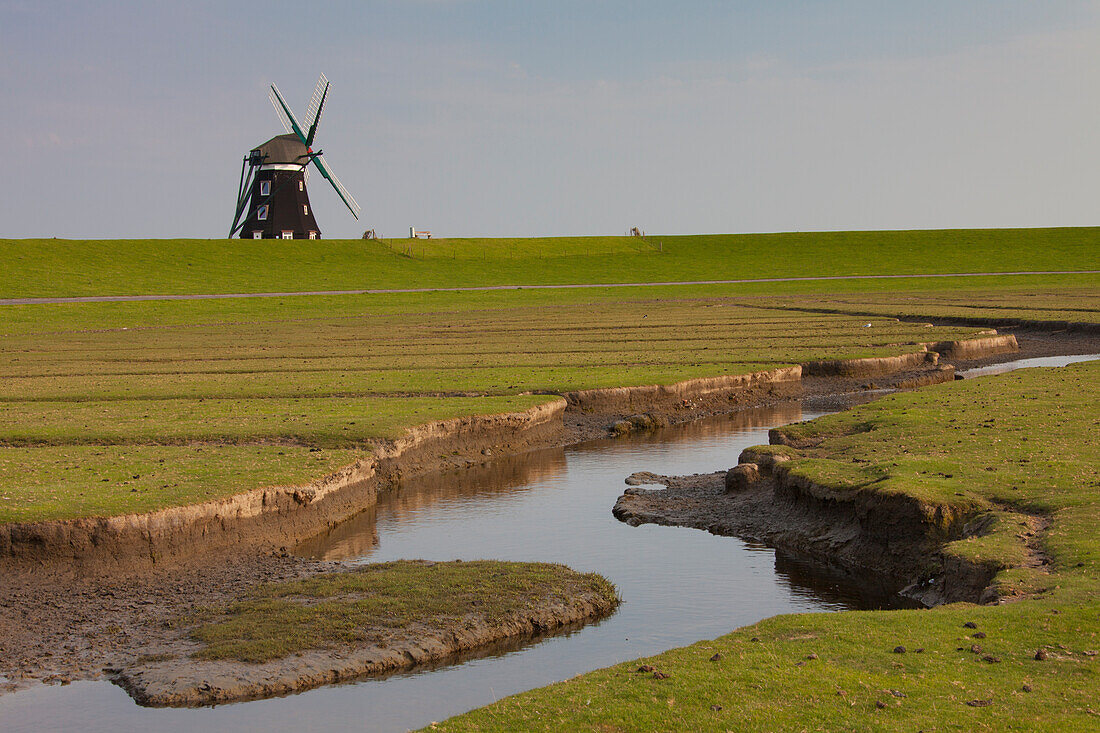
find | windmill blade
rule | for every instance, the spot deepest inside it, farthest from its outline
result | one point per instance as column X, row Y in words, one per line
column 313, row 110
column 279, row 112
column 346, row 197
column 282, row 107
column 317, row 118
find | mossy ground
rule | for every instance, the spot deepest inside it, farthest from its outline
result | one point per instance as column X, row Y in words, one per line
column 1015, row 446
column 369, row 605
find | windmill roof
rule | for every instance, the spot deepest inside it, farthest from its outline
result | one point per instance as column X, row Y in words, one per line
column 283, row 149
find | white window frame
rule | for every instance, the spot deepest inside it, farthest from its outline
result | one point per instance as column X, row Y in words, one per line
column 288, row 234
column 305, row 209
column 265, row 188
column 257, row 234
column 261, row 213
column 312, row 234
column 301, row 185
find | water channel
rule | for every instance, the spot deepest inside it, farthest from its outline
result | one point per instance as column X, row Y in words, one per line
column 678, row 585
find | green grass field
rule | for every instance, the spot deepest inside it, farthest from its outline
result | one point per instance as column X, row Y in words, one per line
column 1012, row 446
column 48, row 267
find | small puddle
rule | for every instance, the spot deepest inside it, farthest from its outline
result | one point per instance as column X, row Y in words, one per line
column 679, row 585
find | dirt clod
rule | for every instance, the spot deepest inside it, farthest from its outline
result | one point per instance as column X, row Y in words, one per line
column 1041, row 655
column 899, row 649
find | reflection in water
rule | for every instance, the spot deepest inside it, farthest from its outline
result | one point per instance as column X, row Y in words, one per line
column 706, row 430
column 837, row 585
column 497, row 480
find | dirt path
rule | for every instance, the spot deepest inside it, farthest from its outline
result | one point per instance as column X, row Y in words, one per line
column 383, row 291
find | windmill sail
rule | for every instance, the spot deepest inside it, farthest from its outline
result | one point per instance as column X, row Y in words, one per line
column 351, row 203
column 283, row 119
column 316, row 117
column 313, row 112
column 285, row 115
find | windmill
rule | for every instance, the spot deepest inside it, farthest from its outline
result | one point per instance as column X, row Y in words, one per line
column 271, row 195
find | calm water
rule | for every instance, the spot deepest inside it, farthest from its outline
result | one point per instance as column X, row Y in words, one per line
column 678, row 585
column 1042, row 361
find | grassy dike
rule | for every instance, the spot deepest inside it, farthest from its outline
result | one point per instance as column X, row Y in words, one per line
column 1007, row 450
column 56, row 268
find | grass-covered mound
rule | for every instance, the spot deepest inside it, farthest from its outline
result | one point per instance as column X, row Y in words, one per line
column 50, row 267
column 1011, row 448
column 382, row 604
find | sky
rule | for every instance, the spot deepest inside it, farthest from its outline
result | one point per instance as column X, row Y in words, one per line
column 557, row 117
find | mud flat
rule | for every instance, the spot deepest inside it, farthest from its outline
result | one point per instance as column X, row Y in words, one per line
column 452, row 608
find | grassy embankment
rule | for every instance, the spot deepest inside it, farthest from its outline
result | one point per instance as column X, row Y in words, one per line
column 117, row 407
column 1010, row 447
column 53, row 268
column 378, row 604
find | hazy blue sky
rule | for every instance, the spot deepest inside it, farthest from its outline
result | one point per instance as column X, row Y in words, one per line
column 560, row 117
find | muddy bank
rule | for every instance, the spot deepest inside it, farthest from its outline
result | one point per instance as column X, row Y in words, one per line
column 894, row 537
column 185, row 682
column 270, row 518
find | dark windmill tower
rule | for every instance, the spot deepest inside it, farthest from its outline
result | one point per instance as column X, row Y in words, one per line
column 272, row 195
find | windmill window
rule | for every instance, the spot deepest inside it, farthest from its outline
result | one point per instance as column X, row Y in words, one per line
column 261, row 213
column 301, row 186
column 305, row 209
column 265, row 188
column 257, row 234
column 312, row 234
column 288, row 235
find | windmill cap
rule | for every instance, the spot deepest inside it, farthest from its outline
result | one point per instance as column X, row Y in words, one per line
column 285, row 149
